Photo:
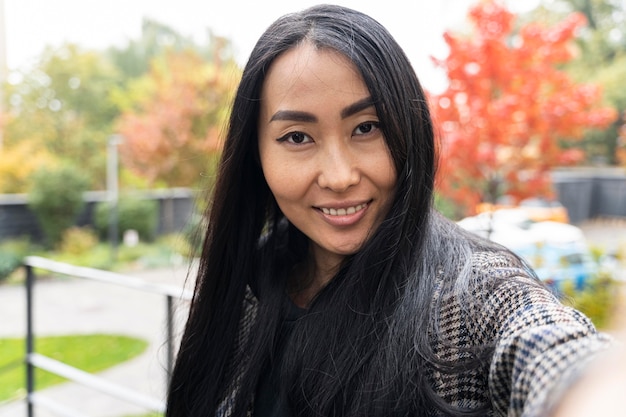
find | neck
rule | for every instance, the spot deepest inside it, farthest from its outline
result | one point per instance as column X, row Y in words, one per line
column 311, row 276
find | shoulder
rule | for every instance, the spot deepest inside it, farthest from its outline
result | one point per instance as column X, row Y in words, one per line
column 534, row 340
column 495, row 296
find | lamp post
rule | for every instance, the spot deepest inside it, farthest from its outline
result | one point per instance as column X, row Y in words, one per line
column 113, row 192
column 3, row 65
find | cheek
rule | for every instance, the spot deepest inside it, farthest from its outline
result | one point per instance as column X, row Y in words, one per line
column 388, row 178
column 281, row 189
column 386, row 181
column 384, row 173
column 284, row 181
column 388, row 189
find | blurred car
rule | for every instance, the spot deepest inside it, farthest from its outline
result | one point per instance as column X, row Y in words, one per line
column 537, row 209
column 558, row 252
column 541, row 210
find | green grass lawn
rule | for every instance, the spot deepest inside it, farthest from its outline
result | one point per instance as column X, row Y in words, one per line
column 91, row 353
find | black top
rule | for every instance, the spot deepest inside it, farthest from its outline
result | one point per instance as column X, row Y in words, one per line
column 271, row 395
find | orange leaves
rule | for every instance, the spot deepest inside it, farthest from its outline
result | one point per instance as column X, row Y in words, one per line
column 508, row 107
column 549, row 46
column 491, row 20
column 172, row 133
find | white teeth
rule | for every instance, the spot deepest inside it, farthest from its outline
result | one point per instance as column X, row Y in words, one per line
column 342, row 211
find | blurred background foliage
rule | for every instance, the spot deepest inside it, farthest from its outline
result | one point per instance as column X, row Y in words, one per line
column 169, row 98
column 165, row 94
column 546, row 90
column 514, row 108
column 56, row 198
column 600, row 59
column 135, row 214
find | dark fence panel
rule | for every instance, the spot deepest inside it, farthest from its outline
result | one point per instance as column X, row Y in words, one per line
column 610, row 197
column 575, row 194
column 591, row 193
column 16, row 219
column 176, row 207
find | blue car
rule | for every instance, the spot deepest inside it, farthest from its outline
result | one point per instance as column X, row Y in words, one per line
column 558, row 252
column 558, row 263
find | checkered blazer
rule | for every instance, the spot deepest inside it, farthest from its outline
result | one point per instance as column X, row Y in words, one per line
column 539, row 345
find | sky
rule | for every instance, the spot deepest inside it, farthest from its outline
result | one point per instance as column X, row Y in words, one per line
column 30, row 25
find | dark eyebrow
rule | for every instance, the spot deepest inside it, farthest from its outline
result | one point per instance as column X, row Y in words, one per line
column 301, row 116
column 294, row 116
column 356, row 107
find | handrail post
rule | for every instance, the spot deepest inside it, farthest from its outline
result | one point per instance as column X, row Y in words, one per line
column 30, row 339
column 34, row 360
column 170, row 338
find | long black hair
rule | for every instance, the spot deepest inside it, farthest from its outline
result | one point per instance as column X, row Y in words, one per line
column 351, row 355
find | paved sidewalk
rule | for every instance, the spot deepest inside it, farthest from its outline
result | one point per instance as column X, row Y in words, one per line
column 73, row 305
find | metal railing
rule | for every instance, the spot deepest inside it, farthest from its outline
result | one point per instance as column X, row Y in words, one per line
column 37, row 360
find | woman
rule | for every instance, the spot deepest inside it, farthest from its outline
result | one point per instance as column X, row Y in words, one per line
column 328, row 285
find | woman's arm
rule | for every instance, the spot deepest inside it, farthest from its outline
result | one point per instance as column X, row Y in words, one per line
column 601, row 389
column 540, row 345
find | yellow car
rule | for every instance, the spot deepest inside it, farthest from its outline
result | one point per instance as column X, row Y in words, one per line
column 537, row 209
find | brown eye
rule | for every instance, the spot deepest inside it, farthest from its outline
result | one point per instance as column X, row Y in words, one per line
column 296, row 138
column 365, row 128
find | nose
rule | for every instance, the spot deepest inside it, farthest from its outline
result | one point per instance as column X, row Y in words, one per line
column 338, row 168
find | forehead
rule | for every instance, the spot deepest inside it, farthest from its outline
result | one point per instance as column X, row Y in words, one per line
column 306, row 69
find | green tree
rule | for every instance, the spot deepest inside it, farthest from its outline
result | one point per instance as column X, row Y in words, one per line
column 62, row 107
column 135, row 58
column 601, row 60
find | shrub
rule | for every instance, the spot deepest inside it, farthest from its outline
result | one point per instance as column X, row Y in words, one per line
column 448, row 208
column 177, row 244
column 56, row 199
column 78, row 240
column 11, row 254
column 598, row 299
column 132, row 213
column 596, row 252
column 9, row 262
column 194, row 234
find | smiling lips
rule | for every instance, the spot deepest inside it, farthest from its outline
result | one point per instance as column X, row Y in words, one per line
column 344, row 216
column 343, row 211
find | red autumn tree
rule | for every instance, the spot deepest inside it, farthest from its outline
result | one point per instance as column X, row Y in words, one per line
column 173, row 117
column 509, row 114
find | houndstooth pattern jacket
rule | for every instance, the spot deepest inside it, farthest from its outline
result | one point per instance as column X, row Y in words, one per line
column 539, row 344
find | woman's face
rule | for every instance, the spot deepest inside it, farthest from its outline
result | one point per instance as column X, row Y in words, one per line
column 322, row 151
